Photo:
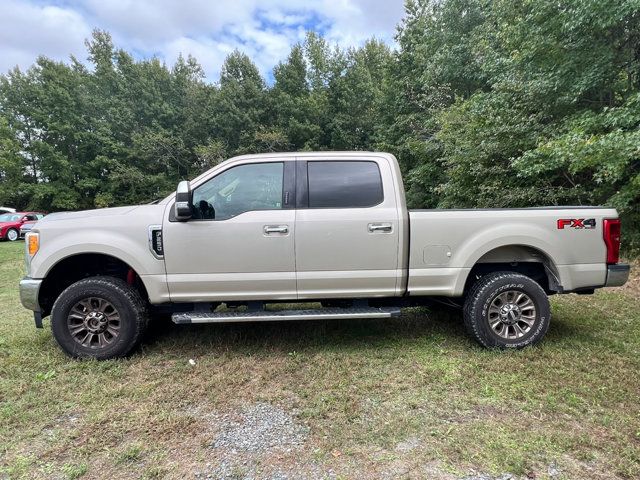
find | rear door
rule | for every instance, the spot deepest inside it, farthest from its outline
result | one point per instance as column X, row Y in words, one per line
column 347, row 225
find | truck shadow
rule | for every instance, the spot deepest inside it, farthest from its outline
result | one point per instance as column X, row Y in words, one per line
column 438, row 326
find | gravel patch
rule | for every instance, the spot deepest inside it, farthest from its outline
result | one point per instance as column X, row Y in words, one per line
column 408, row 445
column 480, row 476
column 259, row 428
column 229, row 470
column 259, row 442
column 553, row 471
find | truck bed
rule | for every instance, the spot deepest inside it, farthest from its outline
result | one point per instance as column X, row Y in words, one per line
column 446, row 244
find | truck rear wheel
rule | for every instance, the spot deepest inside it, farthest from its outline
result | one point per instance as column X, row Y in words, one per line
column 507, row 310
column 99, row 317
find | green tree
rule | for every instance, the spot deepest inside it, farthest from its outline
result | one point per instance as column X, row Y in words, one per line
column 435, row 64
column 356, row 97
column 290, row 107
column 240, row 106
column 557, row 124
column 485, row 103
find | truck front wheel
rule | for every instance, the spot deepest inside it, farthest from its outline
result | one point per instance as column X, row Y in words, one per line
column 506, row 310
column 99, row 317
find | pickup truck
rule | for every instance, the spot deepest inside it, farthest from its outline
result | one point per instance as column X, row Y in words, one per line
column 329, row 229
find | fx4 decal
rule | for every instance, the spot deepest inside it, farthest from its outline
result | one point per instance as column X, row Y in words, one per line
column 579, row 223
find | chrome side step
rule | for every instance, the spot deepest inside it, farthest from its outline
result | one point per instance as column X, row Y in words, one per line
column 269, row 316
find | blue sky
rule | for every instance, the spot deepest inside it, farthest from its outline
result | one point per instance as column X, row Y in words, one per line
column 206, row 29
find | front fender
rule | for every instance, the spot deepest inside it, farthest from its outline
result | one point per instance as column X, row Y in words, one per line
column 140, row 259
column 131, row 250
column 122, row 233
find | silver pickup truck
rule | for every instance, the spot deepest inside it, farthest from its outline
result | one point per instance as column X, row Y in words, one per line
column 328, row 228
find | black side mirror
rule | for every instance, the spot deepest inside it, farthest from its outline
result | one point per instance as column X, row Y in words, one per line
column 182, row 207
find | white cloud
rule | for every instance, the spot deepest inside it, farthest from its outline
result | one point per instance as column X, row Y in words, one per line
column 206, row 29
column 28, row 30
column 209, row 53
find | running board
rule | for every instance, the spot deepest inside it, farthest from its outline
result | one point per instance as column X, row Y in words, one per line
column 276, row 315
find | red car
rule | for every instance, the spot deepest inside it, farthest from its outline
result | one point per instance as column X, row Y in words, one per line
column 10, row 223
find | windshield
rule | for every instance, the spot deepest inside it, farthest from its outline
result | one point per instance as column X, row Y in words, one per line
column 9, row 217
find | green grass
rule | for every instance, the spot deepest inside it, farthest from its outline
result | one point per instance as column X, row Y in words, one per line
column 365, row 388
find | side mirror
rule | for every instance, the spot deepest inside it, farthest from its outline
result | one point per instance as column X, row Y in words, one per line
column 182, row 207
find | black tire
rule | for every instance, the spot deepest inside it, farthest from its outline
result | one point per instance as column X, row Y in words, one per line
column 121, row 298
column 12, row 235
column 484, row 307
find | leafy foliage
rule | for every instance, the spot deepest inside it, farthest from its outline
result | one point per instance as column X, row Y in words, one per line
column 485, row 104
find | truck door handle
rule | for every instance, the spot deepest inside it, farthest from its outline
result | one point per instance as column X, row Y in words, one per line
column 379, row 227
column 269, row 229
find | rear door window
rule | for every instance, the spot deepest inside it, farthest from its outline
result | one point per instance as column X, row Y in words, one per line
column 344, row 184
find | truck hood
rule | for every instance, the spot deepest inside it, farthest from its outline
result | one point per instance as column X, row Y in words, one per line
column 98, row 212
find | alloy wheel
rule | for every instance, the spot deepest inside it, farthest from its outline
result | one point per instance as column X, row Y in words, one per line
column 94, row 322
column 512, row 314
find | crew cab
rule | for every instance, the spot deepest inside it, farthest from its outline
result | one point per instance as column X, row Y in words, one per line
column 331, row 228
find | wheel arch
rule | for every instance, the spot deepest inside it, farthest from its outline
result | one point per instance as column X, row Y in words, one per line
column 526, row 258
column 75, row 267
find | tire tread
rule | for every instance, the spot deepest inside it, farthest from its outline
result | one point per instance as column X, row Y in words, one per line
column 129, row 295
column 471, row 316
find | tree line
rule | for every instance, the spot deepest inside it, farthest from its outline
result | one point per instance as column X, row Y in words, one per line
column 499, row 103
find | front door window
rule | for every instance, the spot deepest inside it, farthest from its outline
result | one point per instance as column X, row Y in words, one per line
column 240, row 189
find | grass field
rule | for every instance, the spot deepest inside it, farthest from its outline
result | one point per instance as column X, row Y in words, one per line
column 404, row 398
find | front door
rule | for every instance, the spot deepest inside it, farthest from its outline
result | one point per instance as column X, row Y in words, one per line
column 239, row 245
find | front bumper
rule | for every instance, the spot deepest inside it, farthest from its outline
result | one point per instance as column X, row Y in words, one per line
column 29, row 290
column 617, row 275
